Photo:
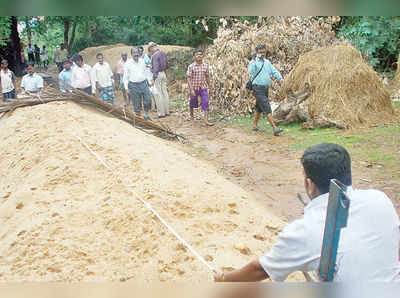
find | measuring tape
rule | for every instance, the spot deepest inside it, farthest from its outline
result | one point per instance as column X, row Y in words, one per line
column 149, row 207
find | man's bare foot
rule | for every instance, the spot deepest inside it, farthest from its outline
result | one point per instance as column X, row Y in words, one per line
column 208, row 123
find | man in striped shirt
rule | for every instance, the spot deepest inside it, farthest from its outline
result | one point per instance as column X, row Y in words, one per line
column 198, row 74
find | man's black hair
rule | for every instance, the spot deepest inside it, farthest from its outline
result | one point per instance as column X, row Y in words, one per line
column 140, row 48
column 77, row 57
column 99, row 54
column 30, row 64
column 327, row 161
column 197, row 51
column 66, row 61
column 260, row 47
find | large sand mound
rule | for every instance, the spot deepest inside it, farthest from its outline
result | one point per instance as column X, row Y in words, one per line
column 65, row 217
column 112, row 53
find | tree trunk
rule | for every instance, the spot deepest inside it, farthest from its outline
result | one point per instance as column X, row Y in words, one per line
column 71, row 42
column 28, row 29
column 66, row 32
column 15, row 47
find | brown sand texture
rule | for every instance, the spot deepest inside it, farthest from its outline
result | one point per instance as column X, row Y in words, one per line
column 66, row 217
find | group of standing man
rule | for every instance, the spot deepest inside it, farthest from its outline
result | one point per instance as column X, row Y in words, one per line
column 137, row 76
column 34, row 53
column 143, row 75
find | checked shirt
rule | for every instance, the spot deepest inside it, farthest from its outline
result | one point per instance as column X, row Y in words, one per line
column 198, row 75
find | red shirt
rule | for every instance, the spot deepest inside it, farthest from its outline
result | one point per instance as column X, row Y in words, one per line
column 197, row 74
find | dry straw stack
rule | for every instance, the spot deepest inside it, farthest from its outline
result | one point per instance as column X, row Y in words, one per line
column 286, row 38
column 344, row 89
column 395, row 84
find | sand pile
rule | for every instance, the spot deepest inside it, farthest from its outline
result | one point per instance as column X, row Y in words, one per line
column 286, row 38
column 65, row 217
column 344, row 89
column 112, row 53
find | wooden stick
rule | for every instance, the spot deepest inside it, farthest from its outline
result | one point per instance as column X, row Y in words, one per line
column 118, row 112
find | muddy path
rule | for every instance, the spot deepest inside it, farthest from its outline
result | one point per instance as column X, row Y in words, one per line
column 264, row 165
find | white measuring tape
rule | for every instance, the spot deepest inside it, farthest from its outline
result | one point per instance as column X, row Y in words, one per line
column 148, row 206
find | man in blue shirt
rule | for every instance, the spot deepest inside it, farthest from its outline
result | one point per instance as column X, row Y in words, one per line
column 65, row 76
column 260, row 86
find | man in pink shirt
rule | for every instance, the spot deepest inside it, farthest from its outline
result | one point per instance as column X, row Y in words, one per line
column 82, row 76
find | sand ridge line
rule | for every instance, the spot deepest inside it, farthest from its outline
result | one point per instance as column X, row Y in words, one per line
column 149, row 207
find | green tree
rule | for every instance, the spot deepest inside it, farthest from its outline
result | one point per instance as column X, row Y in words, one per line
column 377, row 37
column 5, row 30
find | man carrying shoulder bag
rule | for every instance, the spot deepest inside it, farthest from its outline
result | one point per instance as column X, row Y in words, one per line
column 260, row 70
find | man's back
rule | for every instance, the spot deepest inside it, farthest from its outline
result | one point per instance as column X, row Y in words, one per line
column 369, row 245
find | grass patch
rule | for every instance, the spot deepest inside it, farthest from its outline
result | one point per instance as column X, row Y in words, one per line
column 396, row 104
column 376, row 145
column 179, row 103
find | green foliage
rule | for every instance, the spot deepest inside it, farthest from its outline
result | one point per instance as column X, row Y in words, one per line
column 131, row 30
column 5, row 30
column 378, row 38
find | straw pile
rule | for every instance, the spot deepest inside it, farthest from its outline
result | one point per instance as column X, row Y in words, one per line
column 286, row 38
column 395, row 84
column 345, row 91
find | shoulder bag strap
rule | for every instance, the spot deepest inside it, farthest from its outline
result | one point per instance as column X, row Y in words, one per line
column 258, row 72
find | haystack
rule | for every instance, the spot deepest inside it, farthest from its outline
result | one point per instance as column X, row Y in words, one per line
column 395, row 84
column 66, row 217
column 345, row 91
column 286, row 38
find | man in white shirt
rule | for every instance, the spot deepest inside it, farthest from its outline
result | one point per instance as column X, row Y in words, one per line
column 103, row 79
column 32, row 82
column 135, row 81
column 82, row 76
column 368, row 246
column 7, row 79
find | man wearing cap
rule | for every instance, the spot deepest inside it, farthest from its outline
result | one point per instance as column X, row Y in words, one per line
column 159, row 64
column 135, row 80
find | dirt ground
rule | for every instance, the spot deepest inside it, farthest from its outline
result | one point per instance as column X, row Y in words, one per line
column 264, row 166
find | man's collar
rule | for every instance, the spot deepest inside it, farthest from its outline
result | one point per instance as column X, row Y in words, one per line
column 317, row 201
